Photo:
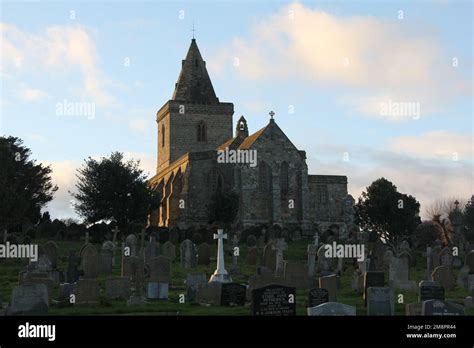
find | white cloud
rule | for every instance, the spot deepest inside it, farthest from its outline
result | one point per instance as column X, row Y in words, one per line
column 437, row 144
column 382, row 59
column 64, row 176
column 32, row 94
column 58, row 49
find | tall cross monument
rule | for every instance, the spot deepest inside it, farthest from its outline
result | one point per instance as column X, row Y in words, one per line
column 220, row 275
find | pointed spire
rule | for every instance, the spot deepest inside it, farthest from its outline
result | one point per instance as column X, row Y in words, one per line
column 194, row 84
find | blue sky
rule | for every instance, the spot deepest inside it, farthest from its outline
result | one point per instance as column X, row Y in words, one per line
column 333, row 63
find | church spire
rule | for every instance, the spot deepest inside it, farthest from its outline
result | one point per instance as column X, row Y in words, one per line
column 194, row 84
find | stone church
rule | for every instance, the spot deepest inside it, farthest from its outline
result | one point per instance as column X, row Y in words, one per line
column 194, row 126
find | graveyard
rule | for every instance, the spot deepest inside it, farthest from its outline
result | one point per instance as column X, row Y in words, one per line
column 122, row 285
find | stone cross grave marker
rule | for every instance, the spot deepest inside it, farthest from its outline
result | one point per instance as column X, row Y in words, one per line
column 279, row 246
column 220, row 274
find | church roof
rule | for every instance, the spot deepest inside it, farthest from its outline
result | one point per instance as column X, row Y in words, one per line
column 247, row 143
column 194, row 84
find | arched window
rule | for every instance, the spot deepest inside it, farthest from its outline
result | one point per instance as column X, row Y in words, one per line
column 201, row 132
column 264, row 176
column 162, row 135
column 284, row 177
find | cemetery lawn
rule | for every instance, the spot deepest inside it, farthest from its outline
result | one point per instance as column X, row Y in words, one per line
column 10, row 268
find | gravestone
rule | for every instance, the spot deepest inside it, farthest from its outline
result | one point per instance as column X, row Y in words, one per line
column 430, row 291
column 296, row 274
column 442, row 308
column 446, row 257
column 252, row 256
column 87, row 292
column 469, row 262
column 372, row 279
column 312, row 251
column 26, row 277
column 173, row 236
column 380, row 301
column 234, row 269
column 160, row 269
column 152, row 249
column 251, row 241
column 398, row 274
column 269, row 256
column 131, row 243
column 209, row 293
column 444, row 276
column 105, row 261
column 192, row 281
column 50, row 249
column 168, row 249
column 387, row 259
column 43, row 264
column 204, row 254
column 233, row 294
column 279, row 247
column 317, row 296
column 117, row 288
column 470, row 282
column 188, row 254
column 332, row 309
column 157, row 291
column 65, row 292
column 273, row 300
column 413, row 309
column 330, row 284
column 72, row 274
column 90, row 262
column 29, row 299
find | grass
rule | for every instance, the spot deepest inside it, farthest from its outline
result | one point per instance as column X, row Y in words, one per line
column 10, row 268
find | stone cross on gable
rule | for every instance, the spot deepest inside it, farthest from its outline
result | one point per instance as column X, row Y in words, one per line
column 220, row 274
column 279, row 246
column 271, row 113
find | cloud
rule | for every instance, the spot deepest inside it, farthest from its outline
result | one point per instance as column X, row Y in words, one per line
column 58, row 49
column 437, row 144
column 382, row 59
column 412, row 169
column 32, row 94
column 64, row 176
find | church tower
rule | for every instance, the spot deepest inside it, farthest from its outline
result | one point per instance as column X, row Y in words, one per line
column 194, row 119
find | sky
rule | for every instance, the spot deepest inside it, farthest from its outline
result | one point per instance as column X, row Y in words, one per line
column 366, row 88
